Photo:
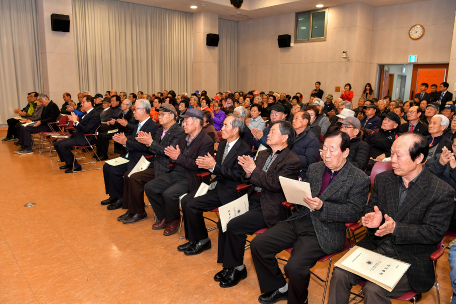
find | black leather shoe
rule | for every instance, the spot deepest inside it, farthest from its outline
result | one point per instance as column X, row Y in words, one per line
column 71, row 170
column 17, row 144
column 115, row 205
column 197, row 248
column 134, row 218
column 185, row 246
column 108, row 201
column 233, row 277
column 123, row 216
column 66, row 167
column 220, row 275
column 273, row 297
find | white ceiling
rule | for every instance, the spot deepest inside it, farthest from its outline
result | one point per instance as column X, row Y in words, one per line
column 256, row 8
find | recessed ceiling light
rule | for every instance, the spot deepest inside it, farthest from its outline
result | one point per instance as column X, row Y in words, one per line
column 193, row 7
column 320, row 5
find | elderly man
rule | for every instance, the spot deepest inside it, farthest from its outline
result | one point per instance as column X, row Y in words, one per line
column 371, row 121
column 431, row 110
column 382, row 109
column 359, row 111
column 329, row 106
column 113, row 175
column 66, row 102
column 87, row 124
column 277, row 112
column 265, row 201
column 407, row 215
column 340, row 105
column 339, row 192
column 448, row 111
column 164, row 191
column 321, row 120
column 436, row 139
column 380, row 141
column 306, row 146
column 400, row 112
column 50, row 113
column 26, row 113
column 246, row 133
column 359, row 150
column 414, row 125
column 222, row 189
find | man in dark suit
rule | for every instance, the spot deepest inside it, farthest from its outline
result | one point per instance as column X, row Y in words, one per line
column 222, row 189
column 443, row 96
column 163, row 192
column 423, row 95
column 439, row 123
column 265, row 200
column 113, row 175
column 87, row 124
column 246, row 134
column 50, row 114
column 339, row 192
column 408, row 214
column 414, row 125
column 168, row 134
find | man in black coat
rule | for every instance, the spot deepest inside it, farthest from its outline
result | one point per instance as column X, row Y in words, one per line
column 87, row 124
column 359, row 150
column 380, row 141
column 222, row 189
column 164, row 191
column 408, row 214
column 423, row 95
column 113, row 175
column 50, row 114
column 436, row 140
column 444, row 95
column 414, row 124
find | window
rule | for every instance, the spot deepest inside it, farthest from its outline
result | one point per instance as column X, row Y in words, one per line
column 311, row 26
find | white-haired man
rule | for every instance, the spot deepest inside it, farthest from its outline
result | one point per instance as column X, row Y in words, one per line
column 436, row 140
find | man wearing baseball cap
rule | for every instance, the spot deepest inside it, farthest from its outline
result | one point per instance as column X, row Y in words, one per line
column 329, row 106
column 448, row 111
column 431, row 110
column 164, row 191
column 260, row 136
column 359, row 150
column 98, row 103
column 371, row 121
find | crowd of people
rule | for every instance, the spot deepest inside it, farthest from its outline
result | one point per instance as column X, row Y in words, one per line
column 254, row 138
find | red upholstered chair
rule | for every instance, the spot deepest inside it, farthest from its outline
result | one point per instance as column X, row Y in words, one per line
column 321, row 138
column 219, row 134
column 379, row 167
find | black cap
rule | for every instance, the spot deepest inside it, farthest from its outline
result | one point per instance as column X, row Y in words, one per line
column 371, row 106
column 98, row 95
column 278, row 108
column 394, row 117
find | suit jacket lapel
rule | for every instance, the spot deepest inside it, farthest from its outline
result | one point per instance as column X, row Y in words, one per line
column 195, row 144
column 316, row 176
column 233, row 151
column 413, row 196
column 337, row 182
column 392, row 196
column 220, row 151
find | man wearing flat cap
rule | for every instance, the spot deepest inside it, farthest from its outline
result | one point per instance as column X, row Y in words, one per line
column 260, row 136
column 359, row 150
column 164, row 191
column 371, row 121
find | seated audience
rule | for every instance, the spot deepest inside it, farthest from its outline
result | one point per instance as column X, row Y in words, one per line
column 320, row 118
column 217, row 116
column 359, row 111
column 451, row 130
column 306, row 145
column 414, row 125
column 400, row 112
column 371, row 121
column 436, row 140
column 156, row 104
column 431, row 110
column 87, row 124
column 164, row 191
column 407, row 215
column 339, row 192
column 114, row 175
column 381, row 140
column 105, row 113
column 246, row 133
column 25, row 113
column 35, row 117
column 222, row 189
column 359, row 150
column 277, row 112
column 329, row 106
column 382, row 109
column 256, row 121
column 423, row 104
column 208, row 126
column 98, row 103
column 313, row 112
column 66, row 100
column 265, row 201
column 183, row 107
column 194, row 102
column 448, row 111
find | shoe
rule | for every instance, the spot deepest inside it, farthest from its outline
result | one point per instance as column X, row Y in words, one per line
column 115, row 205
column 135, row 217
column 273, row 297
column 172, row 227
column 108, row 201
column 161, row 224
column 233, row 277
column 220, row 275
column 185, row 246
column 76, row 169
column 8, row 139
column 65, row 167
column 26, row 151
column 19, row 150
column 17, row 144
column 198, row 248
column 123, row 216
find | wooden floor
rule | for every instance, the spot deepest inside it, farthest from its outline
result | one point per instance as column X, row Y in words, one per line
column 70, row 249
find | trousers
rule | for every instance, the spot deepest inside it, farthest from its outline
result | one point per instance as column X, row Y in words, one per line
column 133, row 193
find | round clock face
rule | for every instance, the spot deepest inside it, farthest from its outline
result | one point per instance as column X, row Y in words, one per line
column 416, row 31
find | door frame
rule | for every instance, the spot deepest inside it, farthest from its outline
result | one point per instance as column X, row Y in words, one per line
column 416, row 67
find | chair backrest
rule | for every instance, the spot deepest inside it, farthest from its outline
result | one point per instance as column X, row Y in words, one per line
column 322, row 137
column 63, row 120
column 379, row 167
column 219, row 134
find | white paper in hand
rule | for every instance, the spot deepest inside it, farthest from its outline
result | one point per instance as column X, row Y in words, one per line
column 232, row 210
column 117, row 161
column 142, row 165
column 295, row 191
column 202, row 190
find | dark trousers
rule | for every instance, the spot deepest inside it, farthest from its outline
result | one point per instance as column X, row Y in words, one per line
column 63, row 148
column 12, row 127
column 133, row 194
column 300, row 235
column 163, row 193
column 113, row 179
column 25, row 138
column 192, row 210
column 103, row 143
column 231, row 244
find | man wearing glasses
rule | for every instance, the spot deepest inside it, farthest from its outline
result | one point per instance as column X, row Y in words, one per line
column 359, row 150
column 414, row 125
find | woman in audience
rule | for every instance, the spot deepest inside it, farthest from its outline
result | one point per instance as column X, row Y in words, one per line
column 246, row 103
column 241, row 100
column 408, row 105
column 255, row 121
column 257, row 100
column 314, row 127
column 368, row 93
column 183, row 106
column 208, row 126
column 205, row 104
column 347, row 94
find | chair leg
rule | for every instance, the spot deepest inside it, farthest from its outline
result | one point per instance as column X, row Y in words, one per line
column 326, row 282
column 180, row 227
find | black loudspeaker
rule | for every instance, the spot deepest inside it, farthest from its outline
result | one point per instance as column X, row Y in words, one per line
column 60, row 23
column 236, row 3
column 284, row 41
column 212, row 39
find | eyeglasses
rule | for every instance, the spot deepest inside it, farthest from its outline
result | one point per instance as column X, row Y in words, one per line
column 346, row 127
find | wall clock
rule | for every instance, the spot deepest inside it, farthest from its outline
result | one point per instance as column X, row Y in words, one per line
column 416, row 31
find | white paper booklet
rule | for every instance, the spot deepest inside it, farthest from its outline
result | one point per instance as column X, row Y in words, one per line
column 233, row 209
column 117, row 161
column 295, row 190
column 142, row 165
column 202, row 190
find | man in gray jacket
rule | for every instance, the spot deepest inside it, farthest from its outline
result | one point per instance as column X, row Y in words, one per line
column 339, row 192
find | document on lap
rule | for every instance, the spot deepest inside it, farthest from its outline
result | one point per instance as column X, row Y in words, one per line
column 117, row 161
column 233, row 209
column 374, row 267
column 113, row 131
column 295, row 191
column 202, row 190
column 29, row 124
column 142, row 165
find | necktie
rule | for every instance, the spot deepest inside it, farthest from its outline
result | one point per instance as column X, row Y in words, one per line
column 225, row 153
column 411, row 128
column 441, row 96
column 139, row 127
column 422, row 95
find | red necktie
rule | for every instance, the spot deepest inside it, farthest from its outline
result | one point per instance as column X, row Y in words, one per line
column 411, row 128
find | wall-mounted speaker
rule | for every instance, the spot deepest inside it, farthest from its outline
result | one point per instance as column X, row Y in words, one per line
column 60, row 23
column 284, row 41
column 212, row 39
column 236, row 3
